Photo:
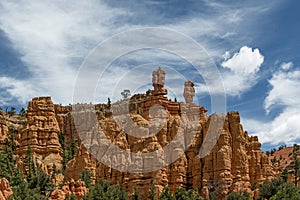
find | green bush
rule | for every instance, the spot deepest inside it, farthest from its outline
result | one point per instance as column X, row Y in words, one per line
column 287, row 191
column 166, row 194
column 182, row 194
column 86, row 177
column 238, row 196
column 104, row 191
column 269, row 188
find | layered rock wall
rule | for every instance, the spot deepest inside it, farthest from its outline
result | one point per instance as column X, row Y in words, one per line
column 41, row 133
column 235, row 162
column 232, row 161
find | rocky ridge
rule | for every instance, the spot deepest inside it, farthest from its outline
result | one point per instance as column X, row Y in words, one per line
column 284, row 159
column 234, row 163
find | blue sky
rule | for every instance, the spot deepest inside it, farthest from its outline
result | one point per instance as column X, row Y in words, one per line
column 255, row 45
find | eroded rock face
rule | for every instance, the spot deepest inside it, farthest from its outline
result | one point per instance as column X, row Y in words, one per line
column 41, row 133
column 10, row 127
column 216, row 154
column 83, row 160
column 223, row 160
column 5, row 190
column 3, row 130
column 71, row 187
column 234, row 163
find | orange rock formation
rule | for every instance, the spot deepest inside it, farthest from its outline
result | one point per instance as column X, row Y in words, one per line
column 41, row 133
column 3, row 130
column 234, row 163
column 76, row 188
column 5, row 190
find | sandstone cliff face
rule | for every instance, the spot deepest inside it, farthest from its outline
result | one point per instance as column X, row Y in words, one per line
column 65, row 122
column 72, row 187
column 84, row 160
column 5, row 190
column 3, row 130
column 234, row 162
column 41, row 133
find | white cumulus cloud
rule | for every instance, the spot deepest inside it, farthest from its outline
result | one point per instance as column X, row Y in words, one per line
column 240, row 72
column 245, row 62
column 285, row 90
column 284, row 95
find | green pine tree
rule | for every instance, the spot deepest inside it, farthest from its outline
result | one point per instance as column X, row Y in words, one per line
column 238, row 196
column 286, row 191
column 152, row 190
column 103, row 190
column 72, row 149
column 284, row 175
column 166, row 194
column 86, row 177
column 182, row 194
column 29, row 165
column 62, row 140
column 108, row 103
column 136, row 194
column 269, row 188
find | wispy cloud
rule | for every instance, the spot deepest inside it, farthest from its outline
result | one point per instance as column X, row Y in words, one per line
column 17, row 89
column 55, row 37
column 286, row 66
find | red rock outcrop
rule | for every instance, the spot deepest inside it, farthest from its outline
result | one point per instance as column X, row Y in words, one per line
column 3, row 130
column 41, row 133
column 65, row 122
column 284, row 159
column 84, row 160
column 158, row 81
column 5, row 190
column 72, row 187
column 221, row 161
column 234, row 161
